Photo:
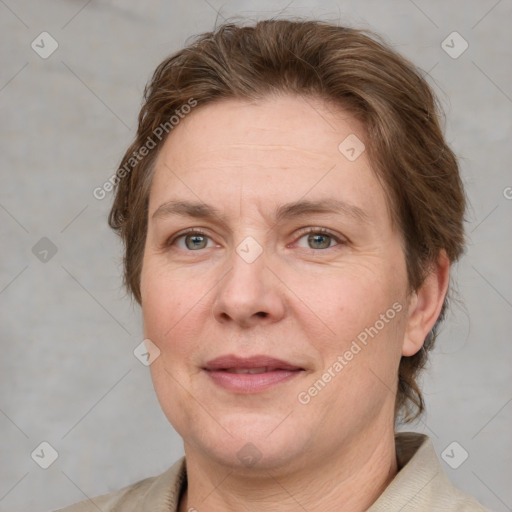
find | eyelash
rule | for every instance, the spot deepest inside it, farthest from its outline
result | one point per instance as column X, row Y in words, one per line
column 303, row 232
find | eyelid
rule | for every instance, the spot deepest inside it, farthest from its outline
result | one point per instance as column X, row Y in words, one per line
column 341, row 240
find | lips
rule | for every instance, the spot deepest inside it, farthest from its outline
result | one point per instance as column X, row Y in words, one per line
column 250, row 375
column 252, row 371
column 230, row 362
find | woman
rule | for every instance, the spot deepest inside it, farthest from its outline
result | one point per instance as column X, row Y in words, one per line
column 290, row 212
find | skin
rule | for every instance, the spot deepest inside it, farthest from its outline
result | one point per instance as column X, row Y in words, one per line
column 303, row 302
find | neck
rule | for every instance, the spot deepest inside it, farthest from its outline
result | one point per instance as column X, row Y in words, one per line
column 351, row 481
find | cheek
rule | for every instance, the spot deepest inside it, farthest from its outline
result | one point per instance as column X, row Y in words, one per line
column 174, row 309
column 361, row 358
column 364, row 313
column 165, row 299
column 352, row 302
column 168, row 309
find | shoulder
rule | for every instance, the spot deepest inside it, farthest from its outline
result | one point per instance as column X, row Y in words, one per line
column 421, row 484
column 148, row 494
column 112, row 501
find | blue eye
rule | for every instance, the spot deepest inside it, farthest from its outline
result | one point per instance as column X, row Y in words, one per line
column 320, row 238
column 194, row 240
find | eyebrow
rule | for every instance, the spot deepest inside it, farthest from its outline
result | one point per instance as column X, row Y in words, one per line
column 296, row 209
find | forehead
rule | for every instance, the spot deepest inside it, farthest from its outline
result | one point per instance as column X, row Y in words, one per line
column 274, row 150
column 291, row 123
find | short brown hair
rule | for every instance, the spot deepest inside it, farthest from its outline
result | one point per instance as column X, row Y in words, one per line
column 352, row 68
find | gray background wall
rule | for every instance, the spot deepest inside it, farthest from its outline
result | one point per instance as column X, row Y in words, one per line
column 68, row 331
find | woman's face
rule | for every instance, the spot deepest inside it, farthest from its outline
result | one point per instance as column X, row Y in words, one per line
column 296, row 266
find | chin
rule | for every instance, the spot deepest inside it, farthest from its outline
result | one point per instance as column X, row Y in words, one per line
column 257, row 442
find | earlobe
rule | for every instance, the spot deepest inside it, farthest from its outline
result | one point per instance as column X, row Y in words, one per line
column 425, row 305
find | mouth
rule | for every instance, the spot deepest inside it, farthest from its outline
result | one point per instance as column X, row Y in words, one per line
column 250, row 375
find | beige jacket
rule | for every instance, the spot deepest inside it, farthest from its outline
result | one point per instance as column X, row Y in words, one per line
column 419, row 486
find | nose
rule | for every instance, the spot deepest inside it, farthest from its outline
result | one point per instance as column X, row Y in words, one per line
column 250, row 293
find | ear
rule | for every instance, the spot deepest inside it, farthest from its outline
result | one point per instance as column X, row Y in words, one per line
column 425, row 305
